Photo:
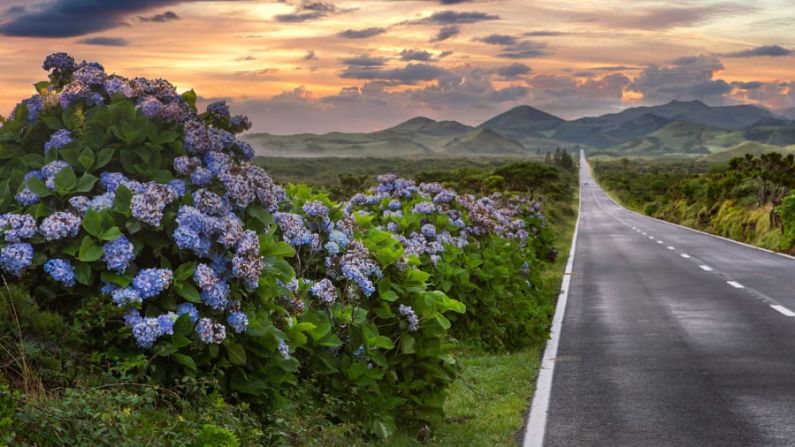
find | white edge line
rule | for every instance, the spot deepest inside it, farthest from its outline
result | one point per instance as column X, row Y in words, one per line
column 783, row 310
column 695, row 230
column 705, row 267
column 537, row 420
column 735, row 284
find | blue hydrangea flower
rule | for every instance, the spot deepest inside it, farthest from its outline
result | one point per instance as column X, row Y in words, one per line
column 60, row 225
column 132, row 317
column 58, row 140
column 17, row 227
column 26, row 197
column 126, row 297
column 179, row 187
column 210, row 332
column 238, row 321
column 166, row 322
column 284, row 349
column 216, row 296
column 325, row 291
column 90, row 74
column 81, row 204
column 146, row 332
column 115, row 84
column 190, row 309
column 218, row 109
column 149, row 106
column 429, row 231
column 151, row 282
column 424, row 208
column 16, row 257
column 201, row 176
column 59, row 61
column 117, row 254
column 411, row 317
column 61, row 271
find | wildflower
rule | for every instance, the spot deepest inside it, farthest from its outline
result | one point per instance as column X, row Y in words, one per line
column 218, row 110
column 284, row 349
column 424, row 208
column 428, row 230
column 149, row 106
column 166, row 322
column 132, row 317
column 61, row 271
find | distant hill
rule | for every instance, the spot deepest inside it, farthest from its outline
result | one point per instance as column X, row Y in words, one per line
column 483, row 142
column 747, row 147
column 678, row 127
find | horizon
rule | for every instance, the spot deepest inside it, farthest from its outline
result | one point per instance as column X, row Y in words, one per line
column 299, row 66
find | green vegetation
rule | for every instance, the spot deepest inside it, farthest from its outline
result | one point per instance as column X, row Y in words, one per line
column 747, row 199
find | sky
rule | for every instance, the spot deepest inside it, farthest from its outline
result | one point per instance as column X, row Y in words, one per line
column 299, row 66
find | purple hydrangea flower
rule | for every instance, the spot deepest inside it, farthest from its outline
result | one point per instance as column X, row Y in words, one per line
column 17, row 227
column 60, row 225
column 325, row 291
column 117, row 254
column 411, row 317
column 210, row 332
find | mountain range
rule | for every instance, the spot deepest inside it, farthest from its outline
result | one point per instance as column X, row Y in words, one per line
column 678, row 127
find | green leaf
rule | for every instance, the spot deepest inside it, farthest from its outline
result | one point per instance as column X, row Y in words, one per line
column 237, row 354
column 111, row 234
column 53, row 122
column 381, row 341
column 104, row 157
column 86, row 158
column 184, row 271
column 408, row 344
column 186, row 361
column 32, row 160
column 92, row 223
column 169, row 136
column 119, row 280
column 269, row 247
column 188, row 291
column 121, row 204
column 90, row 251
column 86, row 183
column 37, row 186
column 42, row 86
column 83, row 273
column 183, row 326
column 65, row 180
column 260, row 214
column 388, row 295
column 190, row 98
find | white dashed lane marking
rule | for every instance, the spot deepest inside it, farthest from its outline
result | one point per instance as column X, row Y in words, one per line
column 706, row 268
column 735, row 284
column 783, row 310
column 671, row 247
column 685, row 255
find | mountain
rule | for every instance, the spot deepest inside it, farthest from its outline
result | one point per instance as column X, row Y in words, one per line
column 484, row 142
column 747, row 147
column 787, row 113
column 678, row 127
column 522, row 121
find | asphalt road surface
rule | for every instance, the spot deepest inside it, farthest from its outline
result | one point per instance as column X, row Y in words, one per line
column 671, row 337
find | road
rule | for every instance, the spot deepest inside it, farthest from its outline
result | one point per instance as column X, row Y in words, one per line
column 671, row 337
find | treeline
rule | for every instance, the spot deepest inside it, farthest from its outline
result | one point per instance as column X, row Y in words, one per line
column 749, row 199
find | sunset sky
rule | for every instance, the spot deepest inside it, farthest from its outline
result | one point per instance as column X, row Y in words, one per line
column 317, row 66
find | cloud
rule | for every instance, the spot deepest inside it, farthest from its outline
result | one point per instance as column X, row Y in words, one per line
column 751, row 85
column 68, row 18
column 105, row 41
column 615, row 68
column 168, row 16
column 365, row 60
column 664, row 17
column 310, row 10
column 513, row 70
column 764, row 50
column 685, row 78
column 410, row 74
column 497, row 39
column 544, row 33
column 523, row 50
column 245, row 58
column 310, row 56
column 455, row 18
column 568, row 96
column 416, row 55
column 361, row 33
column 446, row 32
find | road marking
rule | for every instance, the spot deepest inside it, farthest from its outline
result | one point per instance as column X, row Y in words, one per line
column 659, row 242
column 537, row 420
column 706, row 268
column 685, row 255
column 651, row 237
column 670, row 247
column 645, row 233
column 735, row 284
column 783, row 310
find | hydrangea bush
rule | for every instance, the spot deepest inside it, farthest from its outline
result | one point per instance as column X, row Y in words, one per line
column 118, row 189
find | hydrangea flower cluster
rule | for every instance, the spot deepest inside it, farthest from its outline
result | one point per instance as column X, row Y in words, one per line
column 58, row 140
column 118, row 254
column 61, row 271
column 16, row 257
column 17, row 227
column 411, row 317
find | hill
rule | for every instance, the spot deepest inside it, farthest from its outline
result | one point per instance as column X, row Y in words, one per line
column 678, row 127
